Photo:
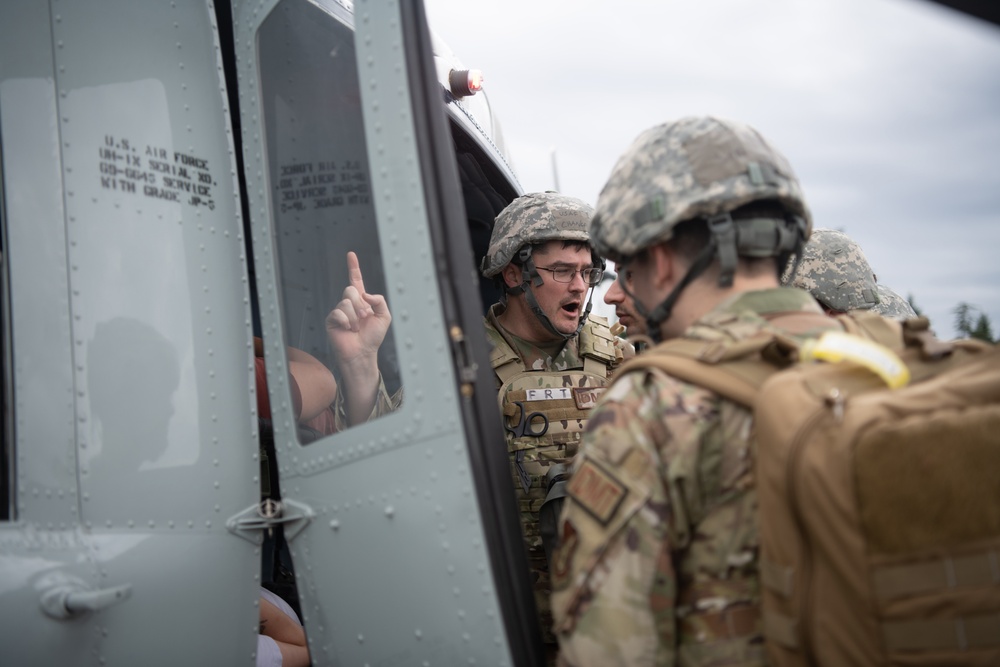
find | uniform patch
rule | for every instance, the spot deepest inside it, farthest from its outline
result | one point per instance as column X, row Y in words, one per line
column 597, row 491
column 547, row 394
column 586, row 397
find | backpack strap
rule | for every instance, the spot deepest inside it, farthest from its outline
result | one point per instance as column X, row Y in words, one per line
column 911, row 334
column 735, row 370
column 872, row 326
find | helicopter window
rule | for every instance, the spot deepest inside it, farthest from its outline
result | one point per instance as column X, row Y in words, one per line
column 321, row 202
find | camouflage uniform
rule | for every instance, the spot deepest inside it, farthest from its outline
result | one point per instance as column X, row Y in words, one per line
column 658, row 556
column 545, row 391
column 658, row 563
column 579, row 372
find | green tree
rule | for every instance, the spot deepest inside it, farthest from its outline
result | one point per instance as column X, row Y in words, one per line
column 913, row 305
column 971, row 322
column 983, row 330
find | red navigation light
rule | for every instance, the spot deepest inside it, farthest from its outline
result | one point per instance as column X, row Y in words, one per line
column 475, row 80
column 465, row 82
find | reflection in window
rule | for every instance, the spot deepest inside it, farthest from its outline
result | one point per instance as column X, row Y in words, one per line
column 329, row 259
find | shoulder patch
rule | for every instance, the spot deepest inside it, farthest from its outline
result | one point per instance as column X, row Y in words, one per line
column 597, row 491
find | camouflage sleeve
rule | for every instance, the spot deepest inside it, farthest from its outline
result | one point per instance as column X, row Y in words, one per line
column 657, row 563
column 613, row 576
column 384, row 404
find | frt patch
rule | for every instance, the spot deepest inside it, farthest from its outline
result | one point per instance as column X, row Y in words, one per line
column 597, row 491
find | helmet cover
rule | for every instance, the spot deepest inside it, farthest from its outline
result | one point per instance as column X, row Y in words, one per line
column 696, row 167
column 535, row 218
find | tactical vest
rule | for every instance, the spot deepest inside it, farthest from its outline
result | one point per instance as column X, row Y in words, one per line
column 544, row 415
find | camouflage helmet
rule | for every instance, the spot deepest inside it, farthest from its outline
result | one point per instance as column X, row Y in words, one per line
column 688, row 169
column 891, row 304
column 535, row 218
column 836, row 272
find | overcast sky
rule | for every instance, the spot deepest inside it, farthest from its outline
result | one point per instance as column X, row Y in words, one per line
column 889, row 111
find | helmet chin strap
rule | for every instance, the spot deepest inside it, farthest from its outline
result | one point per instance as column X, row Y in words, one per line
column 756, row 237
column 547, row 323
column 663, row 311
column 529, row 277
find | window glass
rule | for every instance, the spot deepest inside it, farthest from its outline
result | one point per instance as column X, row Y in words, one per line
column 322, row 207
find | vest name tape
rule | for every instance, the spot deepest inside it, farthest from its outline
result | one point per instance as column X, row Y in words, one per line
column 585, row 398
column 548, row 394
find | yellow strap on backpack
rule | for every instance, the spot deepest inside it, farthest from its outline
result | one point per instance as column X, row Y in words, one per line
column 837, row 346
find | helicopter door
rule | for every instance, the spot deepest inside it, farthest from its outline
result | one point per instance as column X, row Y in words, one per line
column 402, row 527
column 129, row 429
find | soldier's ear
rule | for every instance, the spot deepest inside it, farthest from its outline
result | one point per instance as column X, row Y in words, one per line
column 511, row 275
column 665, row 264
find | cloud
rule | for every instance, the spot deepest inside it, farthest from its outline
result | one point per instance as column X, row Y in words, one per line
column 889, row 110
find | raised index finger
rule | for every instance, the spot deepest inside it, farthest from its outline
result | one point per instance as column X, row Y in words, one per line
column 354, row 276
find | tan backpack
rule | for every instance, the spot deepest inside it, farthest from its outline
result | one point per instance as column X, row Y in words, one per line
column 879, row 508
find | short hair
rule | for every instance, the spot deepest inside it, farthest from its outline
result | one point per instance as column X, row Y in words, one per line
column 690, row 237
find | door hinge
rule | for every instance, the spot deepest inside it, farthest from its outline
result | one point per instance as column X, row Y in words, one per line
column 267, row 514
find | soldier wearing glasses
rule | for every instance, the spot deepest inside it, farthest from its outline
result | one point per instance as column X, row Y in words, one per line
column 551, row 358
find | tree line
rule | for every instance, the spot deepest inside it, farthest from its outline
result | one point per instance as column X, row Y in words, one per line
column 970, row 321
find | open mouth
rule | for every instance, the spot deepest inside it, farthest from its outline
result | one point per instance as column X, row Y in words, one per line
column 572, row 308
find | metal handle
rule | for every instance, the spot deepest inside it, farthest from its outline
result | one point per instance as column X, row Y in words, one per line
column 68, row 600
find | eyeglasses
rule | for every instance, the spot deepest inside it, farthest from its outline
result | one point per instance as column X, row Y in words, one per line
column 592, row 275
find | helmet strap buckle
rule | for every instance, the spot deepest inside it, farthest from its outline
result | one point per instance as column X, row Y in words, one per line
column 724, row 238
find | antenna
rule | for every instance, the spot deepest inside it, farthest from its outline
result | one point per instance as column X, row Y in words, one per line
column 555, row 171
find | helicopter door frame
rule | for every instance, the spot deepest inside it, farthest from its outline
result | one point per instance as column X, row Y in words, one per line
column 484, row 428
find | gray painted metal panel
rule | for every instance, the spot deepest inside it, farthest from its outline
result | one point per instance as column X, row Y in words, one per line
column 136, row 435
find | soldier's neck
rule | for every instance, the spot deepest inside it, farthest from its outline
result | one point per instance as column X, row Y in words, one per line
column 704, row 294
